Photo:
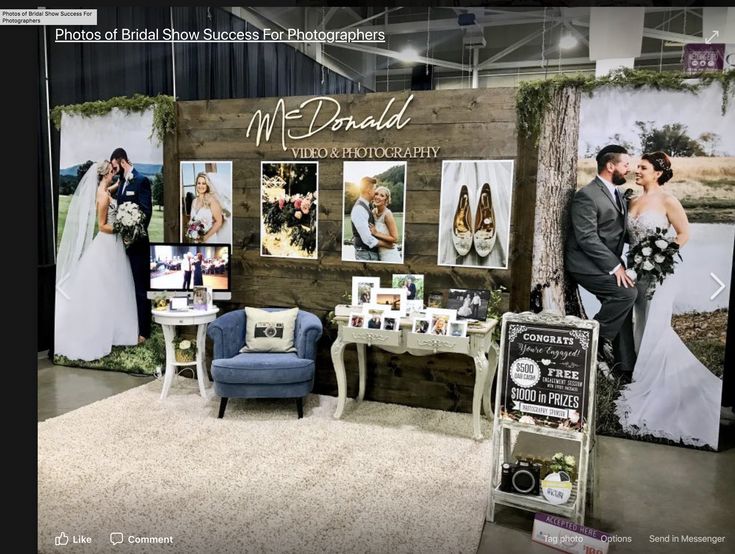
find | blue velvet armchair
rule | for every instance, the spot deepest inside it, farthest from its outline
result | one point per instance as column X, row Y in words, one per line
column 263, row 374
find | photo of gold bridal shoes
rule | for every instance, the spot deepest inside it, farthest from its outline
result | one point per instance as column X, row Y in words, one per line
column 462, row 224
column 485, row 231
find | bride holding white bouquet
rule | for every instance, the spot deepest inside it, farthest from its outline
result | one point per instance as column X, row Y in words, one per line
column 672, row 394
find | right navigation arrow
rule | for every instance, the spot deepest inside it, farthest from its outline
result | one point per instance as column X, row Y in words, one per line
column 719, row 290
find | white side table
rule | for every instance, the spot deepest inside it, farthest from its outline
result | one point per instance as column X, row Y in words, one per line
column 169, row 320
column 478, row 345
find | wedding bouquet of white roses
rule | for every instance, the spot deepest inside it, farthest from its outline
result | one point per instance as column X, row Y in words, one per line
column 129, row 223
column 652, row 259
column 561, row 462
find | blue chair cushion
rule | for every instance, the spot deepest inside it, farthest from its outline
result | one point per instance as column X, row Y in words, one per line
column 263, row 368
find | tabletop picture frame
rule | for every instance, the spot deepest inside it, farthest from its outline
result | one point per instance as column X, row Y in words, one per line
column 362, row 289
column 421, row 325
column 395, row 298
column 457, row 328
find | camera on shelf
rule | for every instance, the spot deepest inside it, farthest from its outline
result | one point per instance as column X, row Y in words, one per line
column 521, row 478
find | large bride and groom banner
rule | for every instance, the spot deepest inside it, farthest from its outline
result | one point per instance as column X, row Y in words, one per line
column 673, row 161
column 110, row 208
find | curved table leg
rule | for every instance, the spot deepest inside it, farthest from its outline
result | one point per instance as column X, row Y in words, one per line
column 363, row 370
column 492, row 360
column 338, row 361
column 168, row 337
column 481, row 371
column 201, row 354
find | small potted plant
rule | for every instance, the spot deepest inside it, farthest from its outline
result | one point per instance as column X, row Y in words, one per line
column 185, row 349
column 567, row 464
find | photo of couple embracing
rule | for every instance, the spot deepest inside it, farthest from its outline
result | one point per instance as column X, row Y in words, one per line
column 374, row 194
column 649, row 228
column 665, row 391
column 102, row 281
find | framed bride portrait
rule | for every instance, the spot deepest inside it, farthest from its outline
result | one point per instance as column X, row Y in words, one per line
column 205, row 201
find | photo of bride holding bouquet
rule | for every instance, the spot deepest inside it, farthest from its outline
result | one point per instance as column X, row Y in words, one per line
column 206, row 202
column 650, row 224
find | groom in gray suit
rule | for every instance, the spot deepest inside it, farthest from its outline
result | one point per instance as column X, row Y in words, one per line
column 593, row 257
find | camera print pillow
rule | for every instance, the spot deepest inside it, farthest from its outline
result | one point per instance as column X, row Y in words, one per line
column 269, row 331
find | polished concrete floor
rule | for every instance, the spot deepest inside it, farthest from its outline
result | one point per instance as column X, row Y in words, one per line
column 63, row 389
column 645, row 490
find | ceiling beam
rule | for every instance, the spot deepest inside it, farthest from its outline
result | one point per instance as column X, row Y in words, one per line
column 515, row 46
column 669, row 20
column 577, row 33
column 397, row 55
column 531, row 13
column 452, row 25
column 576, row 61
column 655, row 33
column 390, row 62
column 328, row 16
column 260, row 21
column 580, row 61
column 352, row 12
column 381, row 14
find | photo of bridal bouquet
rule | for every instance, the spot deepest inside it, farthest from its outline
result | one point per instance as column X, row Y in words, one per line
column 289, row 210
column 653, row 259
column 128, row 224
column 196, row 231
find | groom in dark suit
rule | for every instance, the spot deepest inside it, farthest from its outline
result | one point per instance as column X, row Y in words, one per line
column 593, row 257
column 135, row 187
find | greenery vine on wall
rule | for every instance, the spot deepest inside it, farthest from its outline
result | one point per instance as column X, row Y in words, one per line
column 534, row 96
column 164, row 110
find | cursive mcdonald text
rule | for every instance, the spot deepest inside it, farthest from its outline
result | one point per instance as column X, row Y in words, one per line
column 264, row 123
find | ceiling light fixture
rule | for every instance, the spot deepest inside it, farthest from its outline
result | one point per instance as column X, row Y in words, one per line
column 409, row 54
column 567, row 42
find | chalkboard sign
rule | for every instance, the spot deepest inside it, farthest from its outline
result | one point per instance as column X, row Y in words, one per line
column 546, row 366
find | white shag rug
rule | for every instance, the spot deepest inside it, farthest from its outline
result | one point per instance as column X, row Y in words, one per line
column 385, row 478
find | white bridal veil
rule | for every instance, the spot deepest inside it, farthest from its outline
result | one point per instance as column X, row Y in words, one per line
column 223, row 191
column 78, row 228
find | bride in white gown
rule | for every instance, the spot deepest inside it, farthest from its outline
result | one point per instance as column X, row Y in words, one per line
column 207, row 209
column 385, row 227
column 95, row 294
column 672, row 394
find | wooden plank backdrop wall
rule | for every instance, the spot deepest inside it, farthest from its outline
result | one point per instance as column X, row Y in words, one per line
column 465, row 124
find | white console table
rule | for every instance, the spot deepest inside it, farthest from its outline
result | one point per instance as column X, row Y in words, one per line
column 478, row 345
column 169, row 320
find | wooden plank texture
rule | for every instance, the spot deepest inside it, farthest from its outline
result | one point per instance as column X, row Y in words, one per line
column 464, row 124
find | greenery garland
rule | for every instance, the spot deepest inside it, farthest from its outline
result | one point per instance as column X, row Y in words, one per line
column 164, row 110
column 533, row 97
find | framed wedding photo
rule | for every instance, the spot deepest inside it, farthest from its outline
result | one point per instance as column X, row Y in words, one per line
column 391, row 322
column 439, row 320
column 289, row 214
column 439, row 325
column 356, row 319
column 458, row 328
column 414, row 285
column 205, row 201
column 395, row 299
column 373, row 318
column 469, row 303
column 421, row 326
column 474, row 213
column 362, row 289
column 373, row 208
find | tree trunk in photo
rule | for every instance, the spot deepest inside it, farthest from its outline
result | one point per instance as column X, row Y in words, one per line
column 555, row 186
